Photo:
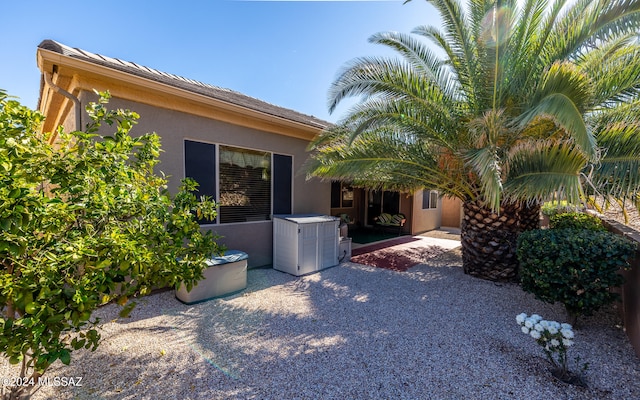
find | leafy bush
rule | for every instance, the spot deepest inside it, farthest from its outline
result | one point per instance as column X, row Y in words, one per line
column 576, row 220
column 551, row 208
column 574, row 267
column 85, row 221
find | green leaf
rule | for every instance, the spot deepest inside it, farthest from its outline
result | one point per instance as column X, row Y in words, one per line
column 65, row 357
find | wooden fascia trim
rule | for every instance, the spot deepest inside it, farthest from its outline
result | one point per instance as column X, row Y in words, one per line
column 227, row 112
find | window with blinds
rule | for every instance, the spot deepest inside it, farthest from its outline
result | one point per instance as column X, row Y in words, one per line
column 245, row 185
column 248, row 185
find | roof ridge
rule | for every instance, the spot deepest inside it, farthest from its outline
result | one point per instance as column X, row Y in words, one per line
column 195, row 86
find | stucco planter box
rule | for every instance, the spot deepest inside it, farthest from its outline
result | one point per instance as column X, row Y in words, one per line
column 224, row 275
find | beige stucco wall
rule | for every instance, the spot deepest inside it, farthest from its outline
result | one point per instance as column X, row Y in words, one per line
column 406, row 207
column 451, row 212
column 254, row 238
column 425, row 220
column 69, row 122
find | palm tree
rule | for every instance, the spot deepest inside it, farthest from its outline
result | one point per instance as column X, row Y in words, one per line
column 529, row 101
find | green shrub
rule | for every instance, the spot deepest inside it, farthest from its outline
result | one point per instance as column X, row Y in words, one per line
column 85, row 221
column 551, row 208
column 574, row 267
column 576, row 220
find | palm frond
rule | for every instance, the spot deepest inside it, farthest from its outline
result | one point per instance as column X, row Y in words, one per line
column 613, row 19
column 494, row 54
column 389, row 78
column 418, row 55
column 618, row 173
column 542, row 170
column 560, row 95
column 531, row 99
column 529, row 20
column 522, row 59
column 542, row 36
column 460, row 41
column 627, row 112
column 431, row 122
column 459, row 74
column 379, row 159
column 486, row 164
column 478, row 10
column 616, row 69
column 591, row 22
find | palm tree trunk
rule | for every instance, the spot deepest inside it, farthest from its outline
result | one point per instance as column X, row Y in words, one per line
column 489, row 241
column 529, row 217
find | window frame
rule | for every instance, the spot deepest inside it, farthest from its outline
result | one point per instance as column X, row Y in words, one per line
column 217, row 161
column 344, row 188
column 427, row 199
column 246, row 183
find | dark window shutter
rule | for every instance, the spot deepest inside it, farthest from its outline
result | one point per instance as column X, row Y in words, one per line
column 282, row 183
column 335, row 194
column 200, row 165
column 426, row 197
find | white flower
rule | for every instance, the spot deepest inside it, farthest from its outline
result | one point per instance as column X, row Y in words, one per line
column 567, row 333
column 11, row 142
column 553, row 337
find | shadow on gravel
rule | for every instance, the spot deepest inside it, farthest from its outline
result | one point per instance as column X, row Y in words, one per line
column 351, row 331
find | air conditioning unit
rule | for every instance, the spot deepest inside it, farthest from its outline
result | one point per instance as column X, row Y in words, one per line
column 305, row 243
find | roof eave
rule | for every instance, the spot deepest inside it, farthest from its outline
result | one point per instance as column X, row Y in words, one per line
column 47, row 59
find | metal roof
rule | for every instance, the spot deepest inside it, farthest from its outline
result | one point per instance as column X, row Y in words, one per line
column 215, row 92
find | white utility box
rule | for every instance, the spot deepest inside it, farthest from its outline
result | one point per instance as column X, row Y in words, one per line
column 303, row 244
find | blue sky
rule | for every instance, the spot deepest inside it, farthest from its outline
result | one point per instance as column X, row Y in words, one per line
column 283, row 52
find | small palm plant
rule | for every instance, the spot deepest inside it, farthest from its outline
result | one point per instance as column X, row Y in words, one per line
column 530, row 101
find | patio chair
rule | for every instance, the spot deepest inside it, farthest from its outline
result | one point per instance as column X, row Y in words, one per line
column 388, row 221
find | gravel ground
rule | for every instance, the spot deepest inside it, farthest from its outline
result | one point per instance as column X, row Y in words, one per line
column 349, row 332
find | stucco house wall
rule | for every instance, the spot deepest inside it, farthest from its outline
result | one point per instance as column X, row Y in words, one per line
column 178, row 110
column 254, row 238
column 451, row 212
column 425, row 219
